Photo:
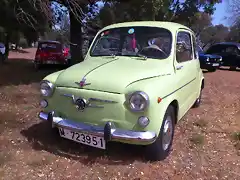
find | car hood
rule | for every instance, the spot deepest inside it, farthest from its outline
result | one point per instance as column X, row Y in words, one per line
column 112, row 74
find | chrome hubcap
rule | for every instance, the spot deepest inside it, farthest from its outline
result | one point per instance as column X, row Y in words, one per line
column 167, row 133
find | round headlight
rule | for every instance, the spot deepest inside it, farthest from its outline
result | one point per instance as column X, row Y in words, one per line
column 138, row 101
column 46, row 88
column 207, row 59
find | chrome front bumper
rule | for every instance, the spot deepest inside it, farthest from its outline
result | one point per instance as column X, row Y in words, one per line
column 109, row 132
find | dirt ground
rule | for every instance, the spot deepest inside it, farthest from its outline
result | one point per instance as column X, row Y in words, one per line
column 206, row 143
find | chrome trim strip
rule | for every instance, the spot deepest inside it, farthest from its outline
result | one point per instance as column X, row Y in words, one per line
column 101, row 100
column 94, row 106
column 149, row 78
column 90, row 99
column 115, row 133
column 179, row 88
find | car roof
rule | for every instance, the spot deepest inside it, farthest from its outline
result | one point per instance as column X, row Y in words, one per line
column 228, row 44
column 48, row 41
column 172, row 26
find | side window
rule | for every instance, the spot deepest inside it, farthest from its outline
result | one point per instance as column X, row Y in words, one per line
column 232, row 50
column 195, row 51
column 184, row 47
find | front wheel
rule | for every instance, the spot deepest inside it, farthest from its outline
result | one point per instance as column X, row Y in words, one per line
column 160, row 149
column 232, row 68
column 37, row 66
column 1, row 58
column 212, row 69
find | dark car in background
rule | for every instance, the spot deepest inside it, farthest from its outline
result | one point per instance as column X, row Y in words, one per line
column 51, row 52
column 229, row 51
column 2, row 52
column 208, row 61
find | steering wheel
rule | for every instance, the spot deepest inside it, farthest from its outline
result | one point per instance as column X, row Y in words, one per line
column 153, row 46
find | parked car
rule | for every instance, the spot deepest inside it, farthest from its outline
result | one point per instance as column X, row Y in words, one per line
column 137, row 81
column 67, row 53
column 2, row 52
column 229, row 51
column 50, row 52
column 208, row 61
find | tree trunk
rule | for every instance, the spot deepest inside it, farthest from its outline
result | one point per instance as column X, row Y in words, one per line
column 75, row 39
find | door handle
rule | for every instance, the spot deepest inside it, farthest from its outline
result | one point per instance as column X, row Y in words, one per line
column 179, row 67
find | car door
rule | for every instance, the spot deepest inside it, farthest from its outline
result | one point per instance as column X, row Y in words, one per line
column 186, row 67
column 196, row 63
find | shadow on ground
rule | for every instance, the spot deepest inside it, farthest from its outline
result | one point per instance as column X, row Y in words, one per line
column 206, row 71
column 19, row 51
column 21, row 71
column 227, row 69
column 42, row 137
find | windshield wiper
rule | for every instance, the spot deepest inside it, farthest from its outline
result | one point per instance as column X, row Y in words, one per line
column 113, row 55
column 141, row 56
column 110, row 56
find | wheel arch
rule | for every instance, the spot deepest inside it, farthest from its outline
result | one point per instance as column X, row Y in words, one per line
column 203, row 83
column 175, row 105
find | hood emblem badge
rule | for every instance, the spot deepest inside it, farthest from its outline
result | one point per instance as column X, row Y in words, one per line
column 82, row 82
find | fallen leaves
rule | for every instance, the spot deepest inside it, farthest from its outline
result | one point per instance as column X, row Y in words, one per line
column 197, row 139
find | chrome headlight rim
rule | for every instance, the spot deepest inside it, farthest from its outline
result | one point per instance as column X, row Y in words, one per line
column 143, row 95
column 50, row 85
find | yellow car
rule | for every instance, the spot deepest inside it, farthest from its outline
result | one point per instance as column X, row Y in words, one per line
column 137, row 81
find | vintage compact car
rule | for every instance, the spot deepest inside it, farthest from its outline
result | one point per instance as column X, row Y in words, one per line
column 50, row 52
column 209, row 62
column 137, row 81
column 229, row 51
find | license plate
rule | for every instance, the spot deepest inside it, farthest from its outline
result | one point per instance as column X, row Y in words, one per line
column 215, row 64
column 51, row 62
column 83, row 138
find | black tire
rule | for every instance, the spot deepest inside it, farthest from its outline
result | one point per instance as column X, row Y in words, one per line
column 55, row 131
column 198, row 100
column 156, row 150
column 37, row 66
column 212, row 69
column 232, row 68
column 68, row 63
column 1, row 58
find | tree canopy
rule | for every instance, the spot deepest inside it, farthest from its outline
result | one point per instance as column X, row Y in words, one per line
column 32, row 17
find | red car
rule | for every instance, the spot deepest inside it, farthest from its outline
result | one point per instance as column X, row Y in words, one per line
column 51, row 52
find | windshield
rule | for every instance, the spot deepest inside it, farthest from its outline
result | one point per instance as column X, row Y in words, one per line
column 53, row 47
column 151, row 42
